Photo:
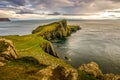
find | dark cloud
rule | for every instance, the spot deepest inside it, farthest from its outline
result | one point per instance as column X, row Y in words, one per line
column 13, row 2
column 25, row 12
column 17, row 2
column 60, row 6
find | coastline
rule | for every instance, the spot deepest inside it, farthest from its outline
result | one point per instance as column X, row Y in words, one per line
column 41, row 38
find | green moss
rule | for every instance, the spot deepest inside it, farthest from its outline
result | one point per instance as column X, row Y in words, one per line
column 85, row 76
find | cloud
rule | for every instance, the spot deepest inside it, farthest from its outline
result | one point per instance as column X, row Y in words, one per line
column 17, row 2
column 57, row 8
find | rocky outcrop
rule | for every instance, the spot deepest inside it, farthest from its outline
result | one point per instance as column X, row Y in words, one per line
column 92, row 69
column 48, row 48
column 59, row 30
column 7, row 50
column 56, row 72
column 4, row 19
column 111, row 77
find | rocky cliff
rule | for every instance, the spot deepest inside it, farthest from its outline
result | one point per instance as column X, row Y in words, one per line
column 48, row 48
column 56, row 30
column 7, row 51
column 92, row 71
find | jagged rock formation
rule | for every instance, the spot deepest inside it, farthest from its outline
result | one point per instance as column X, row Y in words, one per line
column 92, row 68
column 4, row 19
column 56, row 30
column 7, row 50
column 56, row 72
column 111, row 77
column 48, row 48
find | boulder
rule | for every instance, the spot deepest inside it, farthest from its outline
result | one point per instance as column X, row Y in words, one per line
column 92, row 68
column 7, row 50
column 2, row 64
column 56, row 72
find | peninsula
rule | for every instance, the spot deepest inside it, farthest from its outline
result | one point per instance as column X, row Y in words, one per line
column 4, row 19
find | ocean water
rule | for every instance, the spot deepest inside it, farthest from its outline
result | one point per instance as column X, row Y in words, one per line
column 97, row 41
column 21, row 27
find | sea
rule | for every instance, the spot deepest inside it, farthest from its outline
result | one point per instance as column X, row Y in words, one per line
column 97, row 41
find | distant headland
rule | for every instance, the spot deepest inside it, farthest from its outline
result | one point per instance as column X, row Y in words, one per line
column 4, row 19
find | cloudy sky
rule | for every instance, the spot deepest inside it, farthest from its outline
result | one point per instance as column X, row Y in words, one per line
column 47, row 9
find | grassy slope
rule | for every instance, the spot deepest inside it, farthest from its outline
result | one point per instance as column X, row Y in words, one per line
column 29, row 45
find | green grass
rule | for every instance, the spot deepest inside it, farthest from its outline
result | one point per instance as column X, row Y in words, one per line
column 45, row 28
column 21, row 69
column 85, row 76
column 28, row 46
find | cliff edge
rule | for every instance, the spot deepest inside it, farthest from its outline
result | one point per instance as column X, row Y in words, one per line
column 56, row 30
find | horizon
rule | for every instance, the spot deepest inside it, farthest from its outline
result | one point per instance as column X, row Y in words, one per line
column 57, row 9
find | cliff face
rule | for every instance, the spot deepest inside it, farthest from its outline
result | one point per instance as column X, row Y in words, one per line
column 56, row 30
column 7, row 51
column 48, row 48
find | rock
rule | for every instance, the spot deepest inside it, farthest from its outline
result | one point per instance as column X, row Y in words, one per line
column 2, row 64
column 92, row 68
column 111, row 77
column 56, row 72
column 48, row 48
column 7, row 50
column 58, row 30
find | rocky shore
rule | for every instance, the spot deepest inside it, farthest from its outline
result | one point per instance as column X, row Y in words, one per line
column 32, row 57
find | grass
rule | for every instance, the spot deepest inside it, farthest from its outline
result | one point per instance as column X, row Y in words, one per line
column 85, row 76
column 29, row 45
column 21, row 69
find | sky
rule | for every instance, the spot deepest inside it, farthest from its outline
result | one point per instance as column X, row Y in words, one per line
column 53, row 9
